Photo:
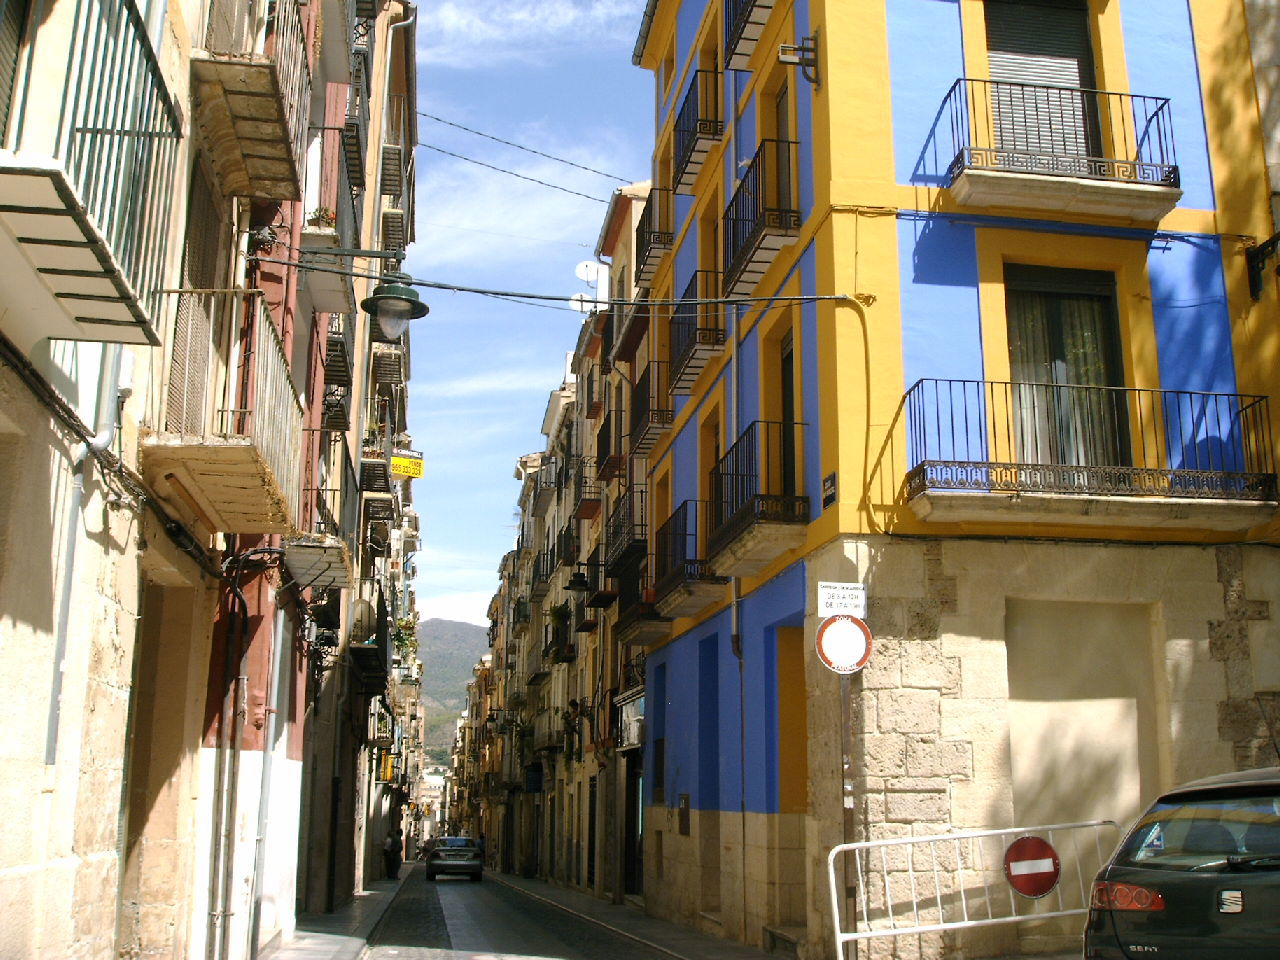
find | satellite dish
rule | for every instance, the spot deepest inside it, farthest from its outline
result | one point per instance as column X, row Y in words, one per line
column 589, row 271
column 363, row 621
column 583, row 302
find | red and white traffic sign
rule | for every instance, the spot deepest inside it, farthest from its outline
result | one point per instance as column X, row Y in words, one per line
column 1032, row 867
column 844, row 644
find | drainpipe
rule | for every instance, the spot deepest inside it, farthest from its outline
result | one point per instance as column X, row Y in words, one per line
column 275, row 669
column 110, row 397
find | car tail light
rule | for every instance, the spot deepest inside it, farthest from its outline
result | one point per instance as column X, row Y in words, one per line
column 1111, row 895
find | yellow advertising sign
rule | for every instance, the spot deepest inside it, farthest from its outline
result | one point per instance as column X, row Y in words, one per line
column 406, row 463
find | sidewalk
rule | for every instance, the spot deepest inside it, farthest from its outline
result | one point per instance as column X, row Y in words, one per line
column 340, row 935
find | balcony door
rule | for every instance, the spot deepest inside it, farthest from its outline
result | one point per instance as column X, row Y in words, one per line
column 1041, row 66
column 1064, row 357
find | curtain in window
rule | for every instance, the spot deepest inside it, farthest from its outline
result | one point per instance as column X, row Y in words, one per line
column 1061, row 349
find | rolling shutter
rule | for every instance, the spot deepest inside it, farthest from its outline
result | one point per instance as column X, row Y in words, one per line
column 1047, row 44
column 193, row 330
column 13, row 16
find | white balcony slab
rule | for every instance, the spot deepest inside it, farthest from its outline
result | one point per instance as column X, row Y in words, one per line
column 1138, row 202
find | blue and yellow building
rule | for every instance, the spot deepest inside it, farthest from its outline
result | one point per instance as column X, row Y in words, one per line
column 969, row 302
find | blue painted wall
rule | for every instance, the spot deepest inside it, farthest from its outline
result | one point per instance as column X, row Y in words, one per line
column 1160, row 52
column 926, row 56
column 711, row 716
column 941, row 329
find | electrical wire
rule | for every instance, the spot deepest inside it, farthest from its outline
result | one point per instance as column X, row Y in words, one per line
column 489, row 136
column 573, row 298
column 496, row 233
column 510, row 173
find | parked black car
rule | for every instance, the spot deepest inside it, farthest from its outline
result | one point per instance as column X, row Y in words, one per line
column 1196, row 878
column 460, row 855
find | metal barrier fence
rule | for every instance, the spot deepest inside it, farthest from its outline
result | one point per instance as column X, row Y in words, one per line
column 955, row 881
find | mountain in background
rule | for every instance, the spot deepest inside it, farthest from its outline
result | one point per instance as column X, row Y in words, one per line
column 449, row 651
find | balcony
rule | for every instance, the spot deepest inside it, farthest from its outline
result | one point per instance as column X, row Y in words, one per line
column 567, row 544
column 331, row 223
column 639, row 620
column 390, row 365
column 86, row 189
column 683, row 581
column 744, row 21
column 546, row 484
column 585, row 619
column 520, row 618
column 238, row 469
column 371, row 658
column 633, row 324
column 626, row 534
column 321, row 557
column 651, row 413
column 397, row 147
column 544, row 568
column 653, row 234
column 601, row 589
column 697, row 331
column 355, row 128
column 986, row 451
column 586, row 489
column 761, row 218
column 611, row 462
column 335, row 410
column 1062, row 150
column 252, row 97
column 699, row 127
column 632, row 678
column 756, row 515
column 340, row 349
column 592, row 393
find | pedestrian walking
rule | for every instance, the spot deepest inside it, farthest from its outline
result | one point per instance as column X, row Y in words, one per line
column 391, row 854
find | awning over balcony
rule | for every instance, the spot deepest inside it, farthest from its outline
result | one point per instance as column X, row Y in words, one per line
column 318, row 561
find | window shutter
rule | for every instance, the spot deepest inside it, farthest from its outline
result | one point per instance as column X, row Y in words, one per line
column 13, row 16
column 1044, row 44
column 193, row 324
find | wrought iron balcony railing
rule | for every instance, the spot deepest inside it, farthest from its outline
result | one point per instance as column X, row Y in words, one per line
column 755, row 482
column 678, row 548
column 989, row 436
column 697, row 330
column 90, row 166
column 653, row 234
column 339, row 350
column 744, row 20
column 762, row 217
column 651, row 409
column 586, row 489
column 632, row 673
column 544, row 567
column 1061, row 131
column 610, row 460
column 355, row 130
column 626, row 533
column 699, row 126
column 331, row 222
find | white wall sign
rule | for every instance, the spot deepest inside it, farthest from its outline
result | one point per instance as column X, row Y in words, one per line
column 837, row 599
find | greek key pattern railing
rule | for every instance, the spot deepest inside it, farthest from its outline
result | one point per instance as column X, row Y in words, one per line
column 698, row 125
column 627, row 528
column 763, row 203
column 979, row 435
column 1061, row 131
column 678, row 556
column 696, row 330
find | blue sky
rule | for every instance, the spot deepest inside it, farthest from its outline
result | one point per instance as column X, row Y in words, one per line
column 555, row 76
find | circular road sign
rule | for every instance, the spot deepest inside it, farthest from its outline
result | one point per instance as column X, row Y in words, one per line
column 844, row 644
column 1032, row 867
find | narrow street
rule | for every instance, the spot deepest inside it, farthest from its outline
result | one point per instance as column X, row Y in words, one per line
column 455, row 919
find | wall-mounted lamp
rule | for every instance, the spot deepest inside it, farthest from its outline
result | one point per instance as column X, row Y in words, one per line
column 803, row 55
column 393, row 304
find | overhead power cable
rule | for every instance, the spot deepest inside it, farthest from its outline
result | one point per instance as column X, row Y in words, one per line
column 489, row 136
column 510, row 173
column 514, row 295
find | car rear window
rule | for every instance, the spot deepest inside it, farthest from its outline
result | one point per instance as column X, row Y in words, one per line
column 1188, row 832
column 455, row 842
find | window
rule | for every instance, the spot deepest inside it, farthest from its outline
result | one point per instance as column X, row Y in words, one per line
column 13, row 16
column 1064, row 356
column 1041, row 67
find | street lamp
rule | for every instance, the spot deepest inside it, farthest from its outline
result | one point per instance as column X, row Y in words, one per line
column 393, row 304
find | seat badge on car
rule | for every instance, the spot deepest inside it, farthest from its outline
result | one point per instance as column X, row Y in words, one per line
column 1231, row 901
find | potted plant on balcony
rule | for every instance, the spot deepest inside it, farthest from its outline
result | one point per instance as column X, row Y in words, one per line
column 322, row 217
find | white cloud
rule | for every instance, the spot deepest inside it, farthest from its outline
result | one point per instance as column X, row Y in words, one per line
column 476, row 34
column 466, row 607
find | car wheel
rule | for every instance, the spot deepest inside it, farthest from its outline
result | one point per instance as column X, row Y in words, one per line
column 477, row 877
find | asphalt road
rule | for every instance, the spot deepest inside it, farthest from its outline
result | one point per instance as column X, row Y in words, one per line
column 456, row 919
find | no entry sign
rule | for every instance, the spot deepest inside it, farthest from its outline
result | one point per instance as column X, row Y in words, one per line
column 1032, row 867
column 844, row 644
